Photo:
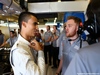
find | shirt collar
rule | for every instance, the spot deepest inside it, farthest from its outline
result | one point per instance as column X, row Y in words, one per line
column 23, row 40
column 78, row 39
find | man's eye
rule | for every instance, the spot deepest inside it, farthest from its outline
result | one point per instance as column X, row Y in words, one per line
column 35, row 23
column 69, row 25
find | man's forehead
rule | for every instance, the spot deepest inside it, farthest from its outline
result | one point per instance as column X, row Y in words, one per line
column 71, row 20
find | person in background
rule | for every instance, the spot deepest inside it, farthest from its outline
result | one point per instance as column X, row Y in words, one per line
column 18, row 31
column 15, row 32
column 42, row 33
column 38, row 36
column 11, row 40
column 47, row 44
column 22, row 56
column 55, row 50
column 2, row 38
column 72, row 43
column 87, row 60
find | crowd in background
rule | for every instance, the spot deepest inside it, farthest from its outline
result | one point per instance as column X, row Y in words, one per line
column 10, row 41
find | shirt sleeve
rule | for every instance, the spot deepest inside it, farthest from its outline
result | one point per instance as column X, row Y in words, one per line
column 57, row 33
column 60, row 50
column 76, row 67
column 24, row 63
column 84, row 44
column 41, row 62
column 50, row 34
column 8, row 41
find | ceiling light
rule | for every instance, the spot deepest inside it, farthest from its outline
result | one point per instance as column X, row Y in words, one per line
column 59, row 0
column 3, row 14
column 55, row 18
column 11, row 8
column 5, row 11
column 17, row 12
column 7, row 7
column 52, row 23
column 26, row 0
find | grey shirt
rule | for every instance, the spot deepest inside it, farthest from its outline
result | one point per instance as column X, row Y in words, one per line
column 55, row 41
column 1, row 39
column 11, row 41
column 47, row 35
column 85, row 62
column 61, row 38
column 69, row 51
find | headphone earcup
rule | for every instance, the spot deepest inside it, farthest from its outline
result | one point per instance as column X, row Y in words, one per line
column 80, row 28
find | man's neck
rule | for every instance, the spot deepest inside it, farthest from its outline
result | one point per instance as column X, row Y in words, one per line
column 12, row 36
column 72, row 39
column 48, row 30
column 25, row 37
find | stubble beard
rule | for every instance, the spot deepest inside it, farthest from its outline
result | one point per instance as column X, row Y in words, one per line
column 70, row 35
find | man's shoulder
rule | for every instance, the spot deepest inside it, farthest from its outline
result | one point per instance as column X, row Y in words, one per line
column 16, row 37
column 85, row 43
column 91, row 49
column 20, row 45
column 8, row 40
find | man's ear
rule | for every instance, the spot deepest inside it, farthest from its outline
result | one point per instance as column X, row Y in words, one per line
column 77, row 28
column 24, row 24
